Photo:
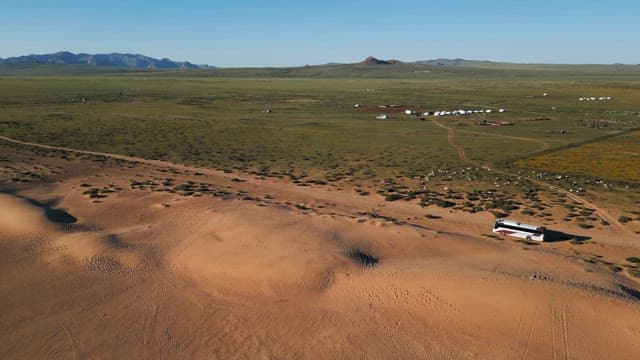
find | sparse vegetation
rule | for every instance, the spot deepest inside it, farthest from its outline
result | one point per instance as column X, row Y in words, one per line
column 635, row 272
column 218, row 121
column 624, row 219
column 615, row 268
column 634, row 259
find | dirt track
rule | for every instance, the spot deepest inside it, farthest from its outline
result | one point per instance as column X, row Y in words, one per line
column 450, row 134
column 603, row 214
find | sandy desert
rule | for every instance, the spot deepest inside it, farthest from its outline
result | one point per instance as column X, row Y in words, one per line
column 248, row 267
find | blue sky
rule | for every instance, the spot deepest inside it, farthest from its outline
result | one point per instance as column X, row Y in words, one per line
column 284, row 32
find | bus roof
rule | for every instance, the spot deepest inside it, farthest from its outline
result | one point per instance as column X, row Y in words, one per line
column 518, row 224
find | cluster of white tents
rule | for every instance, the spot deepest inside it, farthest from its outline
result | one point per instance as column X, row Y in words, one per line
column 592, row 98
column 454, row 112
column 384, row 116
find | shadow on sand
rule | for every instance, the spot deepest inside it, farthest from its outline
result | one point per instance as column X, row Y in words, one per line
column 635, row 294
column 556, row 236
column 57, row 216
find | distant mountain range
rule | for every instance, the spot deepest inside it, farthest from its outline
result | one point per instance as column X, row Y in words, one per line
column 370, row 60
column 434, row 62
column 113, row 59
column 453, row 62
column 136, row 61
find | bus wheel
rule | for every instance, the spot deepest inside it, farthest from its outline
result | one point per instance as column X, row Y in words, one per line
column 528, row 238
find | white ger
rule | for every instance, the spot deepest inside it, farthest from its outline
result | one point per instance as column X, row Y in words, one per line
column 518, row 229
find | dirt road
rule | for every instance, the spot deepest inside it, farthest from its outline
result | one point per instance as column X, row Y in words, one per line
column 603, row 214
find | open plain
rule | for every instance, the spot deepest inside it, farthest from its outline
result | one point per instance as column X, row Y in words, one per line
column 256, row 214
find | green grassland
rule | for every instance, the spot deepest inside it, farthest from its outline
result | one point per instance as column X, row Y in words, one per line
column 216, row 118
column 614, row 159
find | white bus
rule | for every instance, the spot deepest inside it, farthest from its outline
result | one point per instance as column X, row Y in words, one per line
column 517, row 229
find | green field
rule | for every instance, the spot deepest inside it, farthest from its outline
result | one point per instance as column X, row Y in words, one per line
column 612, row 160
column 217, row 118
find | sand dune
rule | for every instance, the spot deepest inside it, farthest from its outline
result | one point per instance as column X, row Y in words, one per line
column 18, row 217
column 151, row 274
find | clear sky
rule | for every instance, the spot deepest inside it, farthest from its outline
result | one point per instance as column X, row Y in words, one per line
column 298, row 32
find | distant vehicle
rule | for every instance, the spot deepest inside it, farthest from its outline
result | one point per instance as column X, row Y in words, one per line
column 382, row 117
column 520, row 230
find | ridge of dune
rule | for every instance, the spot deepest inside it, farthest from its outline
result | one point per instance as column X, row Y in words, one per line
column 18, row 217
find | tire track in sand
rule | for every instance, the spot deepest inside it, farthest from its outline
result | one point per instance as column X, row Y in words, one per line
column 552, row 322
column 517, row 337
column 559, row 332
column 74, row 351
column 524, row 333
column 565, row 332
column 532, row 327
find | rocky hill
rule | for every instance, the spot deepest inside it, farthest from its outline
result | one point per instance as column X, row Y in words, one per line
column 373, row 61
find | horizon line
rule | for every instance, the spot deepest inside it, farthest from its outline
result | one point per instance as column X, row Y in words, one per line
column 308, row 64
